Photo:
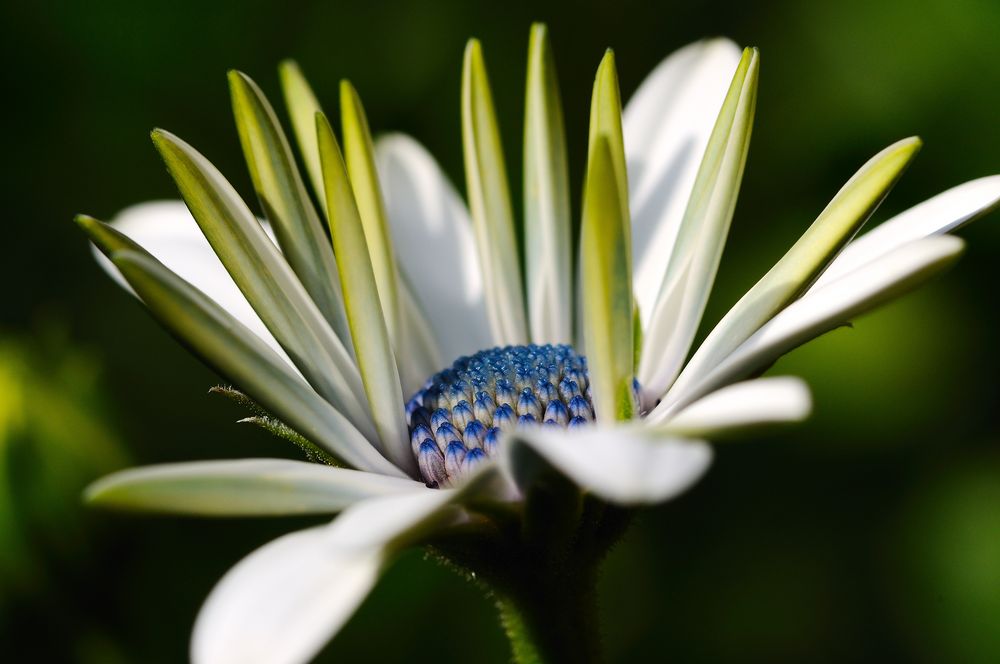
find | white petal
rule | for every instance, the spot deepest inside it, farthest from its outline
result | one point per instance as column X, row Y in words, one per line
column 666, row 126
column 941, row 214
column 398, row 519
column 749, row 404
column 694, row 262
column 241, row 487
column 836, row 303
column 626, row 465
column 167, row 230
column 435, row 245
column 280, row 604
column 806, row 259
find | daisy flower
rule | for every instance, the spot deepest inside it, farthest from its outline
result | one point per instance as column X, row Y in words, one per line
column 502, row 393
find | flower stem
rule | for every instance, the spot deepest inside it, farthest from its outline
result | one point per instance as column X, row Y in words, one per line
column 541, row 573
column 552, row 620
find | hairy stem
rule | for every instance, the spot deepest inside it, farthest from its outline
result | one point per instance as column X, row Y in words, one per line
column 552, row 620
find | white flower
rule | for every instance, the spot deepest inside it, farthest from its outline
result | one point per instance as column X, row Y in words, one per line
column 330, row 347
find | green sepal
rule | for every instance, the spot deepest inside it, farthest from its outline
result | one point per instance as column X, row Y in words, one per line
column 274, row 426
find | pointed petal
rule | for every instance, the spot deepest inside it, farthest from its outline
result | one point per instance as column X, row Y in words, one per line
column 360, row 158
column 302, row 109
column 438, row 255
column 607, row 289
column 489, row 200
column 702, row 235
column 606, row 123
column 943, row 213
column 285, row 202
column 281, row 603
column 667, row 124
column 266, row 279
column 242, row 487
column 372, row 345
column 167, row 230
column 838, row 302
column 546, row 199
column 224, row 344
column 624, row 465
column 807, row 258
column 748, row 405
column 418, row 354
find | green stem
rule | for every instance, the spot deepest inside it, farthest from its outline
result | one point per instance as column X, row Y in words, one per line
column 541, row 573
column 552, row 620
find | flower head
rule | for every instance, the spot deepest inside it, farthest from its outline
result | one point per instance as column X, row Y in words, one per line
column 573, row 391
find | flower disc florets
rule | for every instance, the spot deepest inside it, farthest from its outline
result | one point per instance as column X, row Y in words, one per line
column 457, row 419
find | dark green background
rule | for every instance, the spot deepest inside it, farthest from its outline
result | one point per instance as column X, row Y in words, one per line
column 871, row 532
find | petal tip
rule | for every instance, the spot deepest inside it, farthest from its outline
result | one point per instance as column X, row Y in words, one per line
column 473, row 49
column 84, row 221
column 539, row 30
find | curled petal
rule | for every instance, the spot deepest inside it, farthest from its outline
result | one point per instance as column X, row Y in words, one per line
column 747, row 405
column 624, row 465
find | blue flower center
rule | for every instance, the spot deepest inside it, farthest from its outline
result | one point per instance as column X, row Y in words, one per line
column 457, row 420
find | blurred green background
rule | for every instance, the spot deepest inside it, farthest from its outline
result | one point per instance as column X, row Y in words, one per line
column 872, row 532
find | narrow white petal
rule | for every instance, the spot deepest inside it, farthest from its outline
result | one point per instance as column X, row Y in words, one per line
column 666, row 124
column 363, row 302
column 753, row 403
column 280, row 604
column 836, row 303
column 167, row 230
column 694, row 261
column 397, row 519
column 625, row 465
column 805, row 260
column 436, row 248
column 237, row 354
column 488, row 192
column 547, row 218
column 242, row 487
column 941, row 214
